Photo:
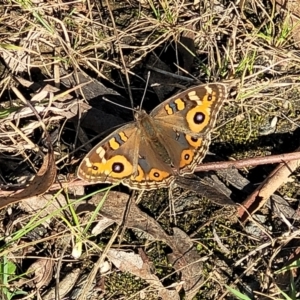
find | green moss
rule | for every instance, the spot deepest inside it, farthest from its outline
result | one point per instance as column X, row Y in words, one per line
column 122, row 284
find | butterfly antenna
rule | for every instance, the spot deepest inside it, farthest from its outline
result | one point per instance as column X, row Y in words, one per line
column 123, row 106
column 145, row 90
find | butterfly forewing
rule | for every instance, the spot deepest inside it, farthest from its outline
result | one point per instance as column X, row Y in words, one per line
column 185, row 122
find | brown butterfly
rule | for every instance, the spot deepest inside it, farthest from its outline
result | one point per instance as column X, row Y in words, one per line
column 151, row 151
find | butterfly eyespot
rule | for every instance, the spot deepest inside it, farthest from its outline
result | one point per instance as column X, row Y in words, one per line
column 186, row 156
column 209, row 97
column 156, row 174
column 193, row 141
column 95, row 168
column 199, row 117
column 118, row 167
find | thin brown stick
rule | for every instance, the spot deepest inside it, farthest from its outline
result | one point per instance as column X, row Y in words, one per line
column 263, row 192
column 249, row 162
column 288, row 163
column 272, row 159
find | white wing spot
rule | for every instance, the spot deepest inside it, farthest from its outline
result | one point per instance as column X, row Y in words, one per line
column 88, row 162
column 101, row 152
column 208, row 89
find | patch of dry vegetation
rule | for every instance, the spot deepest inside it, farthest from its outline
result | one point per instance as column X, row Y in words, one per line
column 62, row 58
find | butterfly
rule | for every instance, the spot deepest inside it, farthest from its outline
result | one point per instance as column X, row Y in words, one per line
column 152, row 151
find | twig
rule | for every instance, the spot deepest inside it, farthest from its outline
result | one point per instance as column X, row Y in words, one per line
column 256, row 161
column 259, row 197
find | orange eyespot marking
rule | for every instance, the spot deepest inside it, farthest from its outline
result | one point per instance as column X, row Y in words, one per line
column 123, row 136
column 114, row 144
column 198, row 118
column 174, row 106
column 140, row 176
column 169, row 109
column 180, row 104
column 186, row 158
column 158, row 175
column 117, row 167
column 194, row 142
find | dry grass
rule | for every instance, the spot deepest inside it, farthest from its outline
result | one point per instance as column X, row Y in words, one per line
column 117, row 43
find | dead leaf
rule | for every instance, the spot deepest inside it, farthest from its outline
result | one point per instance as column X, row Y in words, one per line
column 187, row 261
column 37, row 204
column 114, row 208
column 184, row 257
column 102, row 224
column 43, row 271
column 64, row 286
column 204, row 188
column 133, row 263
column 38, row 186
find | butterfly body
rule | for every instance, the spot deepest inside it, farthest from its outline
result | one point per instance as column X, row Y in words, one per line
column 170, row 141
